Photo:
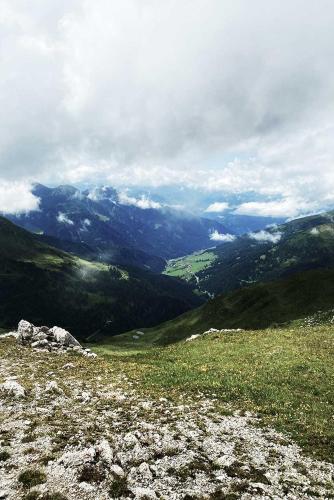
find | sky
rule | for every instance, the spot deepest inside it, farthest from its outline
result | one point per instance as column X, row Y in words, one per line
column 216, row 95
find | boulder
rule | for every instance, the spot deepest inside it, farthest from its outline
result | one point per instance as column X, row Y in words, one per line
column 40, row 343
column 54, row 339
column 63, row 337
column 25, row 331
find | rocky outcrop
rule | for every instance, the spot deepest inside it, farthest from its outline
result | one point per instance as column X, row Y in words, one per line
column 53, row 339
column 211, row 331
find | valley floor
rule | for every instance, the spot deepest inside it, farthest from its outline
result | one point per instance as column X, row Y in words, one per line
column 87, row 429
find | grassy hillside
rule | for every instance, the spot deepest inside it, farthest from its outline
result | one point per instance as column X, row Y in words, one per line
column 258, row 306
column 283, row 375
column 299, row 245
column 45, row 285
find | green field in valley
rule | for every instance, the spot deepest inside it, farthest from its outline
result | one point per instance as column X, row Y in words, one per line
column 186, row 267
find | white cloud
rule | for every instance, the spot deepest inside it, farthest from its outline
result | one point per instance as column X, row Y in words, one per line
column 16, row 197
column 143, row 202
column 216, row 236
column 217, row 207
column 285, row 208
column 63, row 219
column 131, row 93
column 264, row 236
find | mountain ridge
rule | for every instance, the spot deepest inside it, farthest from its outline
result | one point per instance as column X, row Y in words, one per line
column 298, row 245
column 47, row 285
column 117, row 230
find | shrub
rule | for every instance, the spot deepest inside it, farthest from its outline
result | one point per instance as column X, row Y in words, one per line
column 32, row 477
column 4, row 455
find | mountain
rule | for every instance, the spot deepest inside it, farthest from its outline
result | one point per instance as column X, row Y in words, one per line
column 262, row 305
column 116, row 229
column 301, row 244
column 48, row 286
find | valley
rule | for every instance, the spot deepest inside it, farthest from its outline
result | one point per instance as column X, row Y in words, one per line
column 260, row 256
column 209, row 378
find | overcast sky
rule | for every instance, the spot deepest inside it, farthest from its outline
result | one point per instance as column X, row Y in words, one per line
column 225, row 95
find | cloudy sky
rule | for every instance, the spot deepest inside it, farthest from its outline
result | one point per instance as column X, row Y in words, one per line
column 227, row 96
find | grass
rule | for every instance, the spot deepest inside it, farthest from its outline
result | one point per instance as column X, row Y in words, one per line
column 35, row 495
column 285, row 375
column 4, row 455
column 262, row 305
column 31, row 477
column 118, row 487
column 186, row 267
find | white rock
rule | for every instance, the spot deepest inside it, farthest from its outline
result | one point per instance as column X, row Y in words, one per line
column 145, row 471
column 193, row 337
column 40, row 336
column 117, row 471
column 53, row 387
column 4, row 494
column 144, row 494
column 9, row 334
column 91, row 355
column 25, row 330
column 68, row 366
column 40, row 343
column 211, row 330
column 86, row 486
column 78, row 458
column 63, row 337
column 13, row 388
column 104, row 451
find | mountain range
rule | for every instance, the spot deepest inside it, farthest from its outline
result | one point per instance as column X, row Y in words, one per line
column 96, row 261
column 114, row 230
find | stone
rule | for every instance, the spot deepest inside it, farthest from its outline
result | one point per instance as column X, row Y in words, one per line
column 104, row 451
column 13, row 388
column 63, row 337
column 117, row 471
column 40, row 343
column 144, row 494
column 145, row 471
column 52, row 387
column 192, row 337
column 9, row 334
column 55, row 339
column 25, row 330
column 78, row 458
column 40, row 336
column 211, row 330
column 68, row 366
